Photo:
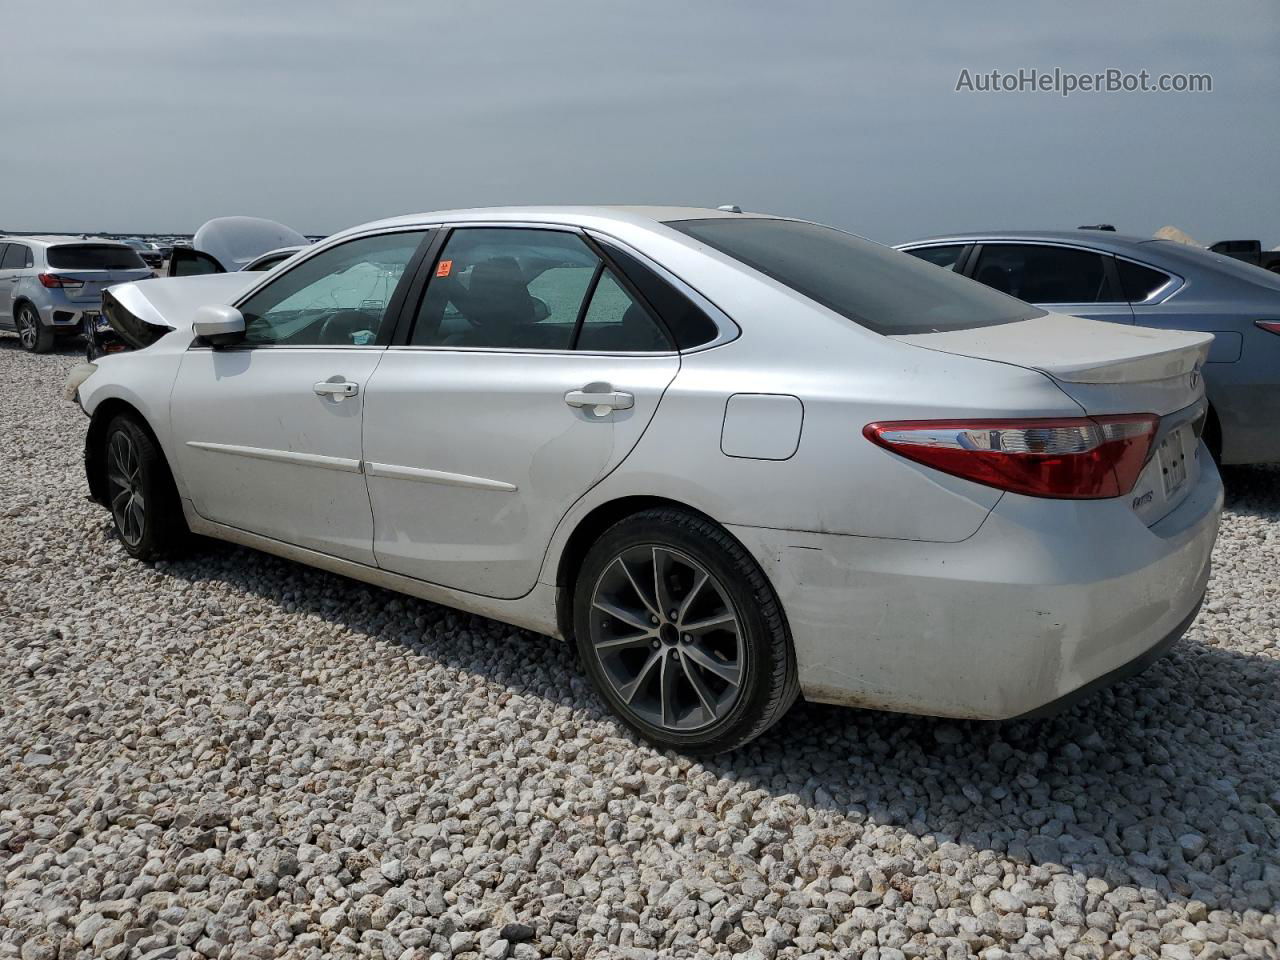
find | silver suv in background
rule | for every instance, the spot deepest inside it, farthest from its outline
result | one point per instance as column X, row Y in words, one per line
column 52, row 286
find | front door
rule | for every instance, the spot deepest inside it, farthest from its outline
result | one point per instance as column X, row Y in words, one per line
column 1063, row 279
column 530, row 372
column 269, row 430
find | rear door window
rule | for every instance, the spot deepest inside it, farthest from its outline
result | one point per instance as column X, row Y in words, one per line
column 514, row 288
column 875, row 286
column 1040, row 273
column 14, row 257
column 506, row 288
column 95, row 256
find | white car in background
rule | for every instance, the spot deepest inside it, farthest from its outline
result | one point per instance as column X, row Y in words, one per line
column 229, row 244
column 734, row 458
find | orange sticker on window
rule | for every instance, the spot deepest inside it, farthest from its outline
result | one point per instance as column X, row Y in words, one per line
column 443, row 268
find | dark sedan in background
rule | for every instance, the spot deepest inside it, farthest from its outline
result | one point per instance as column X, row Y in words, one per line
column 1152, row 283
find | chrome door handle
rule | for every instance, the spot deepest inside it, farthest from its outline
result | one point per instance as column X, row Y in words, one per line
column 338, row 389
column 600, row 403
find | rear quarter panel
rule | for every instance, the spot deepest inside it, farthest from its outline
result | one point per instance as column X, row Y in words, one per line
column 845, row 377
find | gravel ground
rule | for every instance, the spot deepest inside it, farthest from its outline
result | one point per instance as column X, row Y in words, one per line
column 235, row 756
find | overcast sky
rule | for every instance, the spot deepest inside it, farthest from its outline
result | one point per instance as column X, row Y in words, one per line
column 156, row 117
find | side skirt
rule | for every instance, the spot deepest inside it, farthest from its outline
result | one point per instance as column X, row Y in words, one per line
column 534, row 611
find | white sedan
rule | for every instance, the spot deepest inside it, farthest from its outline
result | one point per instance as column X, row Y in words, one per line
column 733, row 458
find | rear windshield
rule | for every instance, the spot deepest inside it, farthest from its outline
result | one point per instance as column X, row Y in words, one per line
column 875, row 286
column 95, row 256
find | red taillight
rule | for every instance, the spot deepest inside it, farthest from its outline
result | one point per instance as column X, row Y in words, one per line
column 52, row 281
column 1074, row 458
column 1271, row 326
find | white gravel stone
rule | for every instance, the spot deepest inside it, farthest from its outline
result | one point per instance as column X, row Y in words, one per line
column 233, row 756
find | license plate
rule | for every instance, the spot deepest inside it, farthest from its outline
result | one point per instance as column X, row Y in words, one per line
column 1173, row 461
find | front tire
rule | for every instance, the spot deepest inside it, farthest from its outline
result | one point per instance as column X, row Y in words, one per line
column 141, row 495
column 34, row 336
column 682, row 634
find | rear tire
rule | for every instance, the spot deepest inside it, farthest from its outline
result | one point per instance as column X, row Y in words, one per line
column 693, row 652
column 34, row 336
column 141, row 494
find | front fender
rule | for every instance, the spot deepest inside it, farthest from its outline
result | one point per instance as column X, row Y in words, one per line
column 138, row 383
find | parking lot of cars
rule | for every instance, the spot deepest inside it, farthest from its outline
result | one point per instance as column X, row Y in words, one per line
column 234, row 755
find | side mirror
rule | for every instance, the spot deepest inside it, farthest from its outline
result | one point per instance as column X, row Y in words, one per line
column 218, row 325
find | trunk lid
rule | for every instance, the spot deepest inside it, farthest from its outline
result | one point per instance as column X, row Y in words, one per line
column 1110, row 368
column 1105, row 367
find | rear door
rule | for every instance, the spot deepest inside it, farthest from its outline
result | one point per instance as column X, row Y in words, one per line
column 269, row 430
column 527, row 370
column 1065, row 279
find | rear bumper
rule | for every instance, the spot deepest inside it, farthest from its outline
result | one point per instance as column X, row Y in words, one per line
column 1046, row 599
column 63, row 314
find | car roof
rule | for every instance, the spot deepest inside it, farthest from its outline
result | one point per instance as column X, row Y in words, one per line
column 53, row 240
column 571, row 215
column 1102, row 239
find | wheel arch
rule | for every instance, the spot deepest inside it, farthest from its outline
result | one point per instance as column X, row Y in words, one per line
column 95, row 440
column 587, row 531
column 1212, row 434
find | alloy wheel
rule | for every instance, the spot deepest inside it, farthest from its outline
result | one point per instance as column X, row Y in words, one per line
column 124, row 486
column 27, row 331
column 667, row 638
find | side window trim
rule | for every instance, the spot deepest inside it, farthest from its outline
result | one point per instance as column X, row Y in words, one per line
column 585, row 305
column 401, row 335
